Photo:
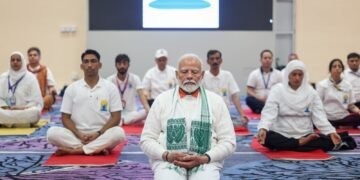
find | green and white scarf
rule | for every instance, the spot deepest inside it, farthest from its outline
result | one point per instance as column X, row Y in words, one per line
column 200, row 135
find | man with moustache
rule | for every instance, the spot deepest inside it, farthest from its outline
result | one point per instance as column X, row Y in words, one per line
column 260, row 82
column 90, row 113
column 223, row 83
column 129, row 86
column 188, row 132
column 352, row 75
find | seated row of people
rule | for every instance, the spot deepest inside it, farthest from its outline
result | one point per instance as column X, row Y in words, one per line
column 292, row 110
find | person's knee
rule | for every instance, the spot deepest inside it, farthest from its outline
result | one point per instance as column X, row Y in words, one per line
column 53, row 133
column 117, row 133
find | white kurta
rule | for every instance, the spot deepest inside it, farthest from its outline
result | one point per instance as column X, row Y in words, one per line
column 335, row 102
column 223, row 84
column 157, row 81
column 27, row 94
column 90, row 110
column 153, row 138
column 262, row 82
column 354, row 79
column 279, row 117
column 129, row 113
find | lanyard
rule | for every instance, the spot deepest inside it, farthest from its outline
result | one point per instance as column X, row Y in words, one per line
column 266, row 83
column 13, row 87
column 122, row 90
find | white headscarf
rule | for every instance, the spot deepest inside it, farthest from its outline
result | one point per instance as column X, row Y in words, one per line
column 16, row 75
column 301, row 97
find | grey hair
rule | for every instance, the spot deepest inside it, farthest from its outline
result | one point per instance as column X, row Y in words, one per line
column 191, row 56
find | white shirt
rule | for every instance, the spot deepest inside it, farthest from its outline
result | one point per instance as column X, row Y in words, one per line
column 262, row 82
column 130, row 91
column 27, row 92
column 91, row 109
column 153, row 138
column 279, row 117
column 335, row 101
column 354, row 79
column 223, row 84
column 157, row 81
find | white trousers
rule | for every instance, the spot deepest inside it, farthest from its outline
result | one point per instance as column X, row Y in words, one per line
column 209, row 171
column 134, row 117
column 62, row 137
column 19, row 118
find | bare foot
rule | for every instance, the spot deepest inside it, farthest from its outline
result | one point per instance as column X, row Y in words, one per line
column 65, row 151
column 305, row 140
column 106, row 152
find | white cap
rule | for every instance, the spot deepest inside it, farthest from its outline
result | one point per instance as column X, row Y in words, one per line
column 161, row 53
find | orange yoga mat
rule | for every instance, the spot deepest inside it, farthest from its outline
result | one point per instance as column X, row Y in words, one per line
column 242, row 131
column 86, row 160
column 133, row 129
column 290, row 155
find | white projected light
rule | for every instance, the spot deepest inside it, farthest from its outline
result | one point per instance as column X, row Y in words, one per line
column 180, row 13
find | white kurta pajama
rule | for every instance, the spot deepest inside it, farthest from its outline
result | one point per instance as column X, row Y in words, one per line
column 291, row 114
column 155, row 138
column 90, row 110
column 128, row 90
column 25, row 92
column 354, row 79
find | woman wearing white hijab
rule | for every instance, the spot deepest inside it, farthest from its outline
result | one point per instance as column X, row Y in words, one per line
column 20, row 96
column 337, row 95
column 291, row 111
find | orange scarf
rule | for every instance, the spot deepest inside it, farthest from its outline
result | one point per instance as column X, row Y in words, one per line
column 41, row 77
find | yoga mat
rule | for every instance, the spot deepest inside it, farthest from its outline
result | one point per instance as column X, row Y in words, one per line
column 352, row 132
column 242, row 131
column 248, row 112
column 22, row 131
column 290, row 155
column 86, row 160
column 133, row 129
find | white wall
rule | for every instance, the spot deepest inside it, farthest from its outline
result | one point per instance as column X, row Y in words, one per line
column 240, row 49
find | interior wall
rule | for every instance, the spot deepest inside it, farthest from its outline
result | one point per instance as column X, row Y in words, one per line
column 38, row 23
column 240, row 49
column 326, row 29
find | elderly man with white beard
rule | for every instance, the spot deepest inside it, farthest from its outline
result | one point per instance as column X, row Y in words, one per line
column 188, row 132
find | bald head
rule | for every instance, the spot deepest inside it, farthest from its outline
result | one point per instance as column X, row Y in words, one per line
column 190, row 72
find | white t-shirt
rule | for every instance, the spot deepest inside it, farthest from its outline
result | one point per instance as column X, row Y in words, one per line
column 129, row 91
column 354, row 79
column 335, row 101
column 91, row 109
column 262, row 82
column 27, row 92
column 157, row 81
column 223, row 84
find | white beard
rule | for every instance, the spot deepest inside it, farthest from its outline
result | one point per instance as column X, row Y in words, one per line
column 189, row 86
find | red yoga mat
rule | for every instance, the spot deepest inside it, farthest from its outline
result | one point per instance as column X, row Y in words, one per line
column 86, row 160
column 242, row 131
column 133, row 129
column 290, row 155
column 248, row 112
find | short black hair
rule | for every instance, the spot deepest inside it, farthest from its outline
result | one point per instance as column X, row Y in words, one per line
column 34, row 49
column 122, row 57
column 264, row 51
column 336, row 60
column 353, row 55
column 212, row 52
column 90, row 51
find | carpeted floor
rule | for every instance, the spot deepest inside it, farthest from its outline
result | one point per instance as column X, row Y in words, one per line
column 21, row 157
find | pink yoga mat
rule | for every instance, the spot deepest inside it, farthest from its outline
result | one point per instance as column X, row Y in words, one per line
column 133, row 129
column 248, row 112
column 242, row 131
column 290, row 155
column 86, row 160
